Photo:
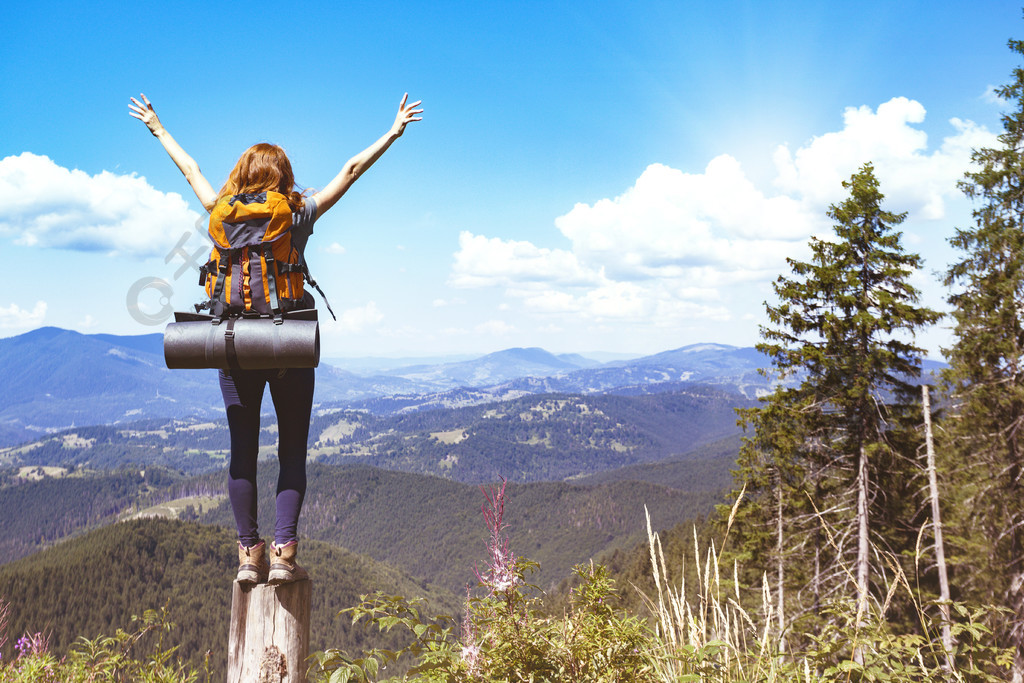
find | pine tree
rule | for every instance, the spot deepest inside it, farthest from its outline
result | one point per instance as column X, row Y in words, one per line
column 986, row 374
column 777, row 524
column 842, row 328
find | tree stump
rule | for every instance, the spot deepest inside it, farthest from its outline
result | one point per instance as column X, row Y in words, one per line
column 269, row 637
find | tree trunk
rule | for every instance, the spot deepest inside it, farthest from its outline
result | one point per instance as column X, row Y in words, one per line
column 269, row 636
column 779, row 564
column 1017, row 634
column 863, row 547
column 940, row 550
column 817, row 567
column 1015, row 592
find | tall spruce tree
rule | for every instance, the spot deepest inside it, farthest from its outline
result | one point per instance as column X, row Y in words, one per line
column 843, row 327
column 986, row 375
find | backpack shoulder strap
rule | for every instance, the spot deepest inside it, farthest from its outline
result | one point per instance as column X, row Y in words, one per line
column 219, row 294
column 270, row 272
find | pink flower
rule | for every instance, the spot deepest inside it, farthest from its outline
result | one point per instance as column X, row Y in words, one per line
column 501, row 569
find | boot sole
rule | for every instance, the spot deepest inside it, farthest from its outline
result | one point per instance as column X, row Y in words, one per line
column 279, row 576
column 247, row 578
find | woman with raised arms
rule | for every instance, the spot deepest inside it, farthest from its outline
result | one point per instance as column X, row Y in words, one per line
column 265, row 168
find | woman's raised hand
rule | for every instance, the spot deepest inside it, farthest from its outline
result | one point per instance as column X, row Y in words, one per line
column 406, row 114
column 143, row 111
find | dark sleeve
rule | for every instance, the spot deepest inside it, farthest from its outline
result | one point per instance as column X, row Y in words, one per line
column 307, row 215
column 302, row 223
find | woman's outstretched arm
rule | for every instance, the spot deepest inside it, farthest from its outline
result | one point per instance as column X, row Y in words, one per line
column 143, row 111
column 357, row 165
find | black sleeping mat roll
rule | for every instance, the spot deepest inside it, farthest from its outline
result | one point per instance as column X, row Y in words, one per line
column 194, row 341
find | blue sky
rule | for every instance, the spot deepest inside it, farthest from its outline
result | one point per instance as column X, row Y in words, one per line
column 599, row 176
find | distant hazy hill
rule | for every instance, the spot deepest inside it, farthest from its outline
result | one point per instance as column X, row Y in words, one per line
column 370, row 366
column 56, row 378
column 60, row 378
column 728, row 368
column 92, row 585
column 494, row 368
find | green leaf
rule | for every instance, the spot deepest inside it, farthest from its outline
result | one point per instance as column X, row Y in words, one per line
column 342, row 675
column 371, row 666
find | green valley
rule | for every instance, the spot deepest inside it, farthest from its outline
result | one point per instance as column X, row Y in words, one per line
column 94, row 584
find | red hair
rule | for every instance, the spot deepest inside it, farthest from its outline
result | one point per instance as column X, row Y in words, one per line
column 262, row 167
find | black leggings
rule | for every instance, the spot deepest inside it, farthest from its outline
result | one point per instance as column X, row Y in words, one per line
column 292, row 393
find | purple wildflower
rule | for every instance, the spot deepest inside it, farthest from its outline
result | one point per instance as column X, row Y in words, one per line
column 500, row 574
column 32, row 644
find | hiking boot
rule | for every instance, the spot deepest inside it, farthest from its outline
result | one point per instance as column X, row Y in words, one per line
column 282, row 564
column 253, row 566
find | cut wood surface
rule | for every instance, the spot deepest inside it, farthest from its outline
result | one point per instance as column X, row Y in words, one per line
column 269, row 636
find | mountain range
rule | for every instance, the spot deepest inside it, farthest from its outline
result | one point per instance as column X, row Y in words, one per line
column 58, row 378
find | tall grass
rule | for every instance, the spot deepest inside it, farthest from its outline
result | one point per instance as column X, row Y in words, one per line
column 716, row 639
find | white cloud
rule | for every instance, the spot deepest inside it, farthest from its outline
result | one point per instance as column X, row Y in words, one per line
column 334, row 248
column 912, row 179
column 674, row 247
column 47, row 205
column 483, row 261
column 671, row 220
column 659, row 252
column 358, row 319
column 13, row 317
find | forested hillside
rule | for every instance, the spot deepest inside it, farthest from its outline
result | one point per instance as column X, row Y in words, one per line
column 39, row 509
column 706, row 467
column 432, row 528
column 533, row 438
column 186, row 445
column 94, row 584
column 372, row 511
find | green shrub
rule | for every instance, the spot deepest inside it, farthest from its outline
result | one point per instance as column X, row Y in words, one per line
column 505, row 635
column 107, row 658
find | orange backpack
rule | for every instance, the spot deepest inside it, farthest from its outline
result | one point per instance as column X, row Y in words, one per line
column 254, row 269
